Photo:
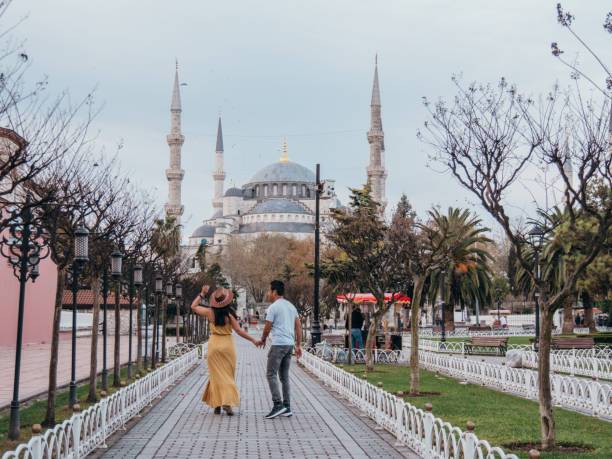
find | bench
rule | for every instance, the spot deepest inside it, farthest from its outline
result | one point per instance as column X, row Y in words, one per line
column 573, row 343
column 479, row 328
column 486, row 343
column 333, row 340
column 528, row 327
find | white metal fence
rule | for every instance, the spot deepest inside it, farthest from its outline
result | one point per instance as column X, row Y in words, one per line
column 594, row 363
column 585, row 396
column 428, row 436
column 85, row 431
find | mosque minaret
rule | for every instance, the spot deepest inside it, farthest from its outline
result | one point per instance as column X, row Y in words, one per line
column 377, row 173
column 174, row 174
column 219, row 173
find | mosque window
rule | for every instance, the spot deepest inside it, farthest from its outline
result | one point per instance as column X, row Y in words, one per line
column 284, row 189
column 265, row 190
column 275, row 189
column 294, row 189
column 303, row 190
column 307, row 192
column 257, row 190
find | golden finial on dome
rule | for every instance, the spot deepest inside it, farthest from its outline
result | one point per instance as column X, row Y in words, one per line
column 285, row 154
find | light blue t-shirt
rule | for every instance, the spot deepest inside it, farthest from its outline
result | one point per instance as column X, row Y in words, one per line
column 282, row 314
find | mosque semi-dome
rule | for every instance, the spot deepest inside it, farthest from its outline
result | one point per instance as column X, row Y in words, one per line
column 279, row 206
column 284, row 171
column 204, row 231
column 233, row 192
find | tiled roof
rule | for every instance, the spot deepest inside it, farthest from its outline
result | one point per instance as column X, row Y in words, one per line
column 85, row 298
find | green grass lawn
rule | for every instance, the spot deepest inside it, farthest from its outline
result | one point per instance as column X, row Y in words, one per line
column 34, row 412
column 500, row 418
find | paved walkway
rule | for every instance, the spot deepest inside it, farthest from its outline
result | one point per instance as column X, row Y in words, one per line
column 323, row 426
column 35, row 358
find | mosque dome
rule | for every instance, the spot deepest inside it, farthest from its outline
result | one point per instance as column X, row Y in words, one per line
column 284, row 171
column 279, row 206
column 233, row 192
column 204, row 231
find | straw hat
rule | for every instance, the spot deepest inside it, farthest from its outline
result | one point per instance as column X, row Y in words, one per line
column 221, row 298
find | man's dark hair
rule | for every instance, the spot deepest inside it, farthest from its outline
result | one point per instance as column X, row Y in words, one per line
column 278, row 287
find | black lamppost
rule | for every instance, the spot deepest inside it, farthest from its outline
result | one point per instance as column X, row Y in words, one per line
column 315, row 329
column 24, row 247
column 146, row 311
column 169, row 293
column 159, row 290
column 137, row 279
column 178, row 288
column 81, row 255
column 104, row 329
column 116, row 272
column 536, row 239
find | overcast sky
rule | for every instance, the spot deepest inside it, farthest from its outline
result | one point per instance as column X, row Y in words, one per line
column 287, row 68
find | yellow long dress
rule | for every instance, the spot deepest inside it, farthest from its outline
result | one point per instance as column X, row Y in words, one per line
column 221, row 388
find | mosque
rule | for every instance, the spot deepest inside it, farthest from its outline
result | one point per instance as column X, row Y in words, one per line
column 279, row 198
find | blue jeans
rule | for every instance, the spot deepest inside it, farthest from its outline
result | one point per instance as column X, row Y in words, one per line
column 357, row 338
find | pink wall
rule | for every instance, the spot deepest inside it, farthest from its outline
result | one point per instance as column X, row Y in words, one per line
column 38, row 313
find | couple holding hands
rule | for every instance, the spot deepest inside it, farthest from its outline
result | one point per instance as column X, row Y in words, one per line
column 282, row 324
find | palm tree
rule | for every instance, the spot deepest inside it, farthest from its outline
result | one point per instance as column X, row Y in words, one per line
column 464, row 277
column 165, row 243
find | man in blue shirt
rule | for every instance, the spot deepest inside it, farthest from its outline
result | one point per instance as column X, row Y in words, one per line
column 283, row 323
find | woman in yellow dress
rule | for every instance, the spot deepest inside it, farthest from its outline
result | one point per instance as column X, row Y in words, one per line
column 221, row 390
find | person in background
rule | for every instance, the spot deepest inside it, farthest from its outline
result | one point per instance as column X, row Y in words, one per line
column 356, row 326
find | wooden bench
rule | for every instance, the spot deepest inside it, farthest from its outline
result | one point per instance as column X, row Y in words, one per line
column 486, row 343
column 333, row 340
column 572, row 343
column 479, row 328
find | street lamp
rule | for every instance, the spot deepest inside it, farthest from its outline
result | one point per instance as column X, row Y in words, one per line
column 104, row 328
column 178, row 288
column 169, row 293
column 137, row 281
column 159, row 290
column 536, row 239
column 81, row 255
column 24, row 247
column 116, row 271
column 315, row 328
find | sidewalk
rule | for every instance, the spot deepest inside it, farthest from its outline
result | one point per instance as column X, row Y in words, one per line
column 35, row 359
column 180, row 425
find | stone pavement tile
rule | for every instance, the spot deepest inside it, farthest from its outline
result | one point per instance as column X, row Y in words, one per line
column 35, row 364
column 323, row 426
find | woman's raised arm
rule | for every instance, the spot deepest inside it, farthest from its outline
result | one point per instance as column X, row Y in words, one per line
column 195, row 305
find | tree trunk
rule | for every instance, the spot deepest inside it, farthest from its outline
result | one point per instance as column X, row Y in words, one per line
column 95, row 330
column 547, row 420
column 587, row 302
column 449, row 317
column 57, row 314
column 350, row 334
column 415, row 308
column 117, row 351
column 371, row 343
column 164, row 312
column 139, row 319
column 568, row 319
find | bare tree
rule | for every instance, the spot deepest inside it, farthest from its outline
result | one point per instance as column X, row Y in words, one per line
column 489, row 137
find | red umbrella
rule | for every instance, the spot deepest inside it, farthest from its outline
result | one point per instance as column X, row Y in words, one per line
column 359, row 298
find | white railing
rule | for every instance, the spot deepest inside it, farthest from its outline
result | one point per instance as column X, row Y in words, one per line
column 465, row 333
column 593, row 363
column 585, row 396
column 428, row 436
column 450, row 347
column 85, row 431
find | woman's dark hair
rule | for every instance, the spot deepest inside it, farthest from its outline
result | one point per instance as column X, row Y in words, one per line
column 278, row 287
column 222, row 314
